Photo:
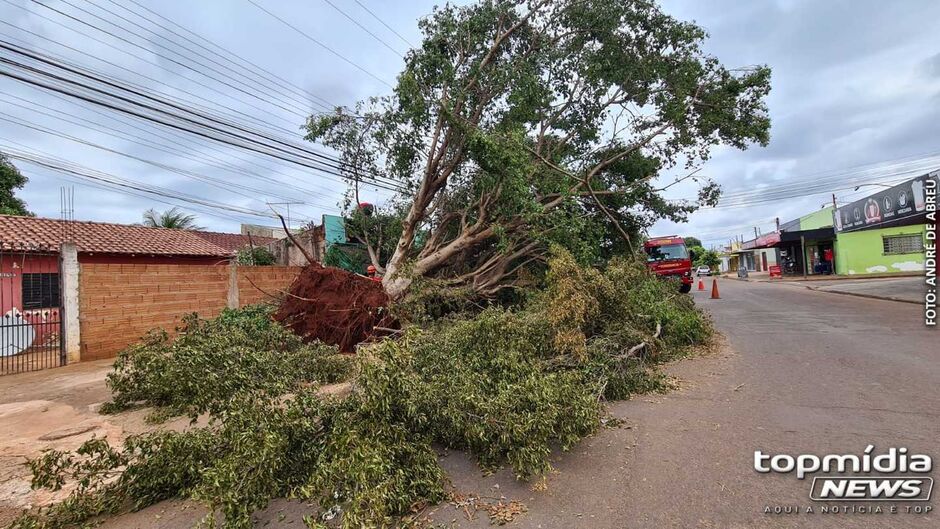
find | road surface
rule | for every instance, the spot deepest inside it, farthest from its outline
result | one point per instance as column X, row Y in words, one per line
column 804, row 372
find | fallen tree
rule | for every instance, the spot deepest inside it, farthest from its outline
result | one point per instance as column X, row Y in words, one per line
column 506, row 384
column 520, row 123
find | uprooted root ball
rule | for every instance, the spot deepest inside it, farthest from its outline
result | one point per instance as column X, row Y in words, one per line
column 335, row 307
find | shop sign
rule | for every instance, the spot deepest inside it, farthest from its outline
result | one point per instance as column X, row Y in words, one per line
column 903, row 201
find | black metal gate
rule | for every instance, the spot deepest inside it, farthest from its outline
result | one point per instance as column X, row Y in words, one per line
column 31, row 324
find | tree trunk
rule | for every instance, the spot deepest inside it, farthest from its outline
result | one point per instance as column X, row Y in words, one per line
column 396, row 287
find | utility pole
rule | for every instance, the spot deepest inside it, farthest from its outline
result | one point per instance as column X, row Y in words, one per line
column 288, row 204
column 803, row 251
column 777, row 221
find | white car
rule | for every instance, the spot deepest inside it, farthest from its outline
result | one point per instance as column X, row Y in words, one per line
column 703, row 271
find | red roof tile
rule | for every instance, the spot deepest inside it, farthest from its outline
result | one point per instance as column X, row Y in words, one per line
column 101, row 237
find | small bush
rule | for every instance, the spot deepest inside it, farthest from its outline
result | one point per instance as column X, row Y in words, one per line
column 209, row 362
column 255, row 256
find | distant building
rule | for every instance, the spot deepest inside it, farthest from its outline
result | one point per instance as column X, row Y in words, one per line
column 883, row 233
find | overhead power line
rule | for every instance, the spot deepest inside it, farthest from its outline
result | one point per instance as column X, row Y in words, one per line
column 390, row 28
column 318, row 43
column 60, row 165
column 116, row 96
column 150, row 79
column 202, row 68
column 363, row 28
column 253, row 66
column 258, row 83
column 154, row 136
column 226, row 184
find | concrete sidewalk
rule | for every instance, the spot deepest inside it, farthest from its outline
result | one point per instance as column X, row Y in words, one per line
column 907, row 289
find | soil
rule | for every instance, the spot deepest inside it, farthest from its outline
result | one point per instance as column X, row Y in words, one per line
column 336, row 307
column 56, row 409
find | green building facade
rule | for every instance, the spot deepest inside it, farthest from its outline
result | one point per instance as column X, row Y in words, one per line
column 883, row 233
column 881, row 251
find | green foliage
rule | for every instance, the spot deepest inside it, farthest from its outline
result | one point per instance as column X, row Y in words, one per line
column 255, row 256
column 172, row 218
column 701, row 256
column 11, row 179
column 516, row 125
column 497, row 383
column 483, row 384
column 346, row 256
column 211, row 361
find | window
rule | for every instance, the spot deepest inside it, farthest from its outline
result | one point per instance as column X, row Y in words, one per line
column 666, row 252
column 40, row 291
column 895, row 244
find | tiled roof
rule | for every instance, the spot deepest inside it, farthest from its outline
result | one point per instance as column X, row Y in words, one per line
column 101, row 237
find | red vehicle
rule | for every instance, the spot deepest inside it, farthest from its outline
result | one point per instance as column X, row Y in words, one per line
column 668, row 257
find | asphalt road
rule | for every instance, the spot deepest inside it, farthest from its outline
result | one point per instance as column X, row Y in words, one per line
column 803, row 372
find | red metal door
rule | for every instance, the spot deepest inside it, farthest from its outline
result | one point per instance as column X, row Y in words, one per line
column 30, row 311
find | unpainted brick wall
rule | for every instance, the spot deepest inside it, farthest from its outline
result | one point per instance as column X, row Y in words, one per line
column 119, row 303
column 257, row 284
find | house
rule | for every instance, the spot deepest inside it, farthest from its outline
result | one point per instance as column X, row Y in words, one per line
column 29, row 255
column 104, row 242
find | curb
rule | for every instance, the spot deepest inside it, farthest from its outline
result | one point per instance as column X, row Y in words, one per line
column 860, row 295
column 819, row 289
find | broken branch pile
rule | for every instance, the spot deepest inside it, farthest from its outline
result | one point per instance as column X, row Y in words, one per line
column 507, row 384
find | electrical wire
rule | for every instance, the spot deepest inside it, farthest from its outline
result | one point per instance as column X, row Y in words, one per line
column 256, row 68
column 200, row 71
column 318, row 43
column 224, row 184
column 189, row 116
column 363, row 28
column 390, row 28
column 58, row 164
column 149, row 143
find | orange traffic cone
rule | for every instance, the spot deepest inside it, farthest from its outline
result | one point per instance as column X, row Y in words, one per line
column 715, row 289
column 701, row 284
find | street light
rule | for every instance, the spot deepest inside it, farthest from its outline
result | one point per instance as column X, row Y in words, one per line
column 872, row 184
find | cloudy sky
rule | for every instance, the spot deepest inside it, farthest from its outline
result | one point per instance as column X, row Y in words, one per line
column 856, row 99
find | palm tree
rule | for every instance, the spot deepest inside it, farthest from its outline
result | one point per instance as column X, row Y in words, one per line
column 171, row 218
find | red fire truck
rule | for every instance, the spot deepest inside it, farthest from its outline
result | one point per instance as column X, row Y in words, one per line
column 668, row 257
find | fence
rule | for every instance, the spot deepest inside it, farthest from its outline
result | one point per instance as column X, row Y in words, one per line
column 30, row 304
column 119, row 303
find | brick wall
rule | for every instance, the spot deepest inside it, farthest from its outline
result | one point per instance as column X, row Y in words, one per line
column 119, row 303
column 258, row 284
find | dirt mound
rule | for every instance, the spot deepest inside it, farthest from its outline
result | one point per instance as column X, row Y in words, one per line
column 334, row 306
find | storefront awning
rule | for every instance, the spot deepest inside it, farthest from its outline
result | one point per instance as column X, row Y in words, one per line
column 764, row 241
column 819, row 234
